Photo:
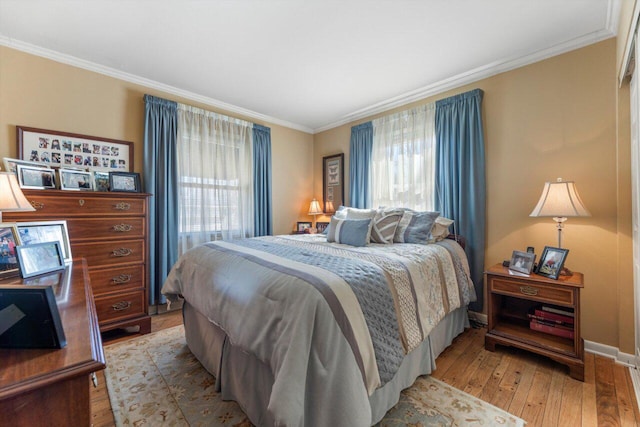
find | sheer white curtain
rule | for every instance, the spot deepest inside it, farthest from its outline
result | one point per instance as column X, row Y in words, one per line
column 403, row 159
column 214, row 157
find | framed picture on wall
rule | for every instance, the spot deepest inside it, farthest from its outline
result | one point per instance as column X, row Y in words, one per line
column 333, row 182
column 64, row 149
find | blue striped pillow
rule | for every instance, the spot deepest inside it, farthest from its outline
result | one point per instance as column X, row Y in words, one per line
column 354, row 232
column 415, row 227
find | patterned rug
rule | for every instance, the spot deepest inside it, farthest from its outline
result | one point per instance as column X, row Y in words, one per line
column 155, row 380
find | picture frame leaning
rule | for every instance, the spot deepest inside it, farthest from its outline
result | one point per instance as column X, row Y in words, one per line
column 551, row 262
column 46, row 231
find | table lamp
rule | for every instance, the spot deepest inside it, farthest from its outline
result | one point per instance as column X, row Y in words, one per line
column 314, row 209
column 11, row 197
column 560, row 200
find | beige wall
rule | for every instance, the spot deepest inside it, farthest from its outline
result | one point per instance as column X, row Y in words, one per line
column 41, row 93
column 555, row 118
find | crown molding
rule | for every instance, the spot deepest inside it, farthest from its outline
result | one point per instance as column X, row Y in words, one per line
column 151, row 84
column 471, row 76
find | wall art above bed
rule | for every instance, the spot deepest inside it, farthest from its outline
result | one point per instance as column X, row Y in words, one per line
column 63, row 149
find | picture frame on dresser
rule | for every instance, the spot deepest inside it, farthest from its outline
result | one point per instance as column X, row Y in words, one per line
column 11, row 165
column 75, row 180
column 100, row 180
column 46, row 231
column 9, row 240
column 124, row 181
column 39, row 258
column 36, row 177
column 64, row 149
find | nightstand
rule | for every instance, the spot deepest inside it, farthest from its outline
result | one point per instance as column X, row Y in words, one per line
column 511, row 298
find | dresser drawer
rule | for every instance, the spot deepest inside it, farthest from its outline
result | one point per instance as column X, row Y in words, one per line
column 106, row 228
column 84, row 204
column 118, row 279
column 536, row 291
column 121, row 306
column 110, row 253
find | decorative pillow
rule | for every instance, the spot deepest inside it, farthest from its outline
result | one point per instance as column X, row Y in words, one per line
column 352, row 232
column 384, row 225
column 344, row 212
column 440, row 229
column 415, row 227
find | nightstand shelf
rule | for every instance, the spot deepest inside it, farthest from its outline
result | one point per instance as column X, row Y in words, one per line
column 512, row 298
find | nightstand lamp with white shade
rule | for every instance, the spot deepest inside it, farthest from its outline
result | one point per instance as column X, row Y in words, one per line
column 314, row 209
column 11, row 197
column 560, row 200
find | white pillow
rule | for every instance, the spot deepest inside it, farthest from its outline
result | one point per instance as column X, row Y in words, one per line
column 440, row 229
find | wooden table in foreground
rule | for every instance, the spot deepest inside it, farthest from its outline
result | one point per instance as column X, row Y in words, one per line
column 51, row 386
column 511, row 298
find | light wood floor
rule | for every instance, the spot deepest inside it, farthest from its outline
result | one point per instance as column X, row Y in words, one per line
column 529, row 386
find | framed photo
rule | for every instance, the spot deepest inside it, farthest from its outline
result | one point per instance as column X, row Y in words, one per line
column 124, row 181
column 75, row 179
column 322, row 226
column 100, row 180
column 333, row 182
column 46, row 231
column 30, row 318
column 64, row 149
column 9, row 240
column 40, row 258
column 303, row 227
column 551, row 262
column 11, row 165
column 36, row 177
column 60, row 282
column 522, row 262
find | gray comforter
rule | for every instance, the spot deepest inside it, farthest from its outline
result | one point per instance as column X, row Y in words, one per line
column 332, row 322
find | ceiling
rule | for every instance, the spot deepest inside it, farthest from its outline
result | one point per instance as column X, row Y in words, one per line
column 306, row 64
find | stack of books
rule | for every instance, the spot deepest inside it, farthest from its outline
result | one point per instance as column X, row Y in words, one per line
column 552, row 321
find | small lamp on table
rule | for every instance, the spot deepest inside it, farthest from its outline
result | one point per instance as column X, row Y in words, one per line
column 314, row 209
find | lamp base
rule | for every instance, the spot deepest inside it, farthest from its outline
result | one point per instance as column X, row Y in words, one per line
column 566, row 272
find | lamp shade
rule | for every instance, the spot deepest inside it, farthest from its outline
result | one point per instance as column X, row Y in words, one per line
column 560, row 199
column 11, row 196
column 314, row 208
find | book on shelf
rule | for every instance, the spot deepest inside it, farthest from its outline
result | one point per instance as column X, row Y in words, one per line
column 558, row 311
column 550, row 321
column 547, row 315
column 551, row 329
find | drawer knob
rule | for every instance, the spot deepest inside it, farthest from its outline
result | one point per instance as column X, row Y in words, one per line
column 122, row 278
column 37, row 205
column 122, row 206
column 122, row 305
column 529, row 290
column 122, row 252
column 122, row 228
column 81, row 202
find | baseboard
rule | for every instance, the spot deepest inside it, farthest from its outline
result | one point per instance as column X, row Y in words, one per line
column 635, row 379
column 610, row 352
column 479, row 318
column 164, row 308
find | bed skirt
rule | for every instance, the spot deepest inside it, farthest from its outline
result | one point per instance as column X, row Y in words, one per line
column 245, row 379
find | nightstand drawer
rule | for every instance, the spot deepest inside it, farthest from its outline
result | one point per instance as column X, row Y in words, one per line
column 532, row 291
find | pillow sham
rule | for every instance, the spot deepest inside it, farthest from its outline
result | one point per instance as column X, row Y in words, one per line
column 384, row 225
column 352, row 232
column 415, row 227
column 344, row 212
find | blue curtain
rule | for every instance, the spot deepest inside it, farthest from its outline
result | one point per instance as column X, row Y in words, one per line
column 160, row 179
column 460, row 175
column 360, row 165
column 263, row 221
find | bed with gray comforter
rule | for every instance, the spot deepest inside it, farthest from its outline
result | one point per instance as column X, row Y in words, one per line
column 310, row 333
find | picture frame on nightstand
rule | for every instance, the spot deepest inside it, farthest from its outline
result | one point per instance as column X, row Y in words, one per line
column 522, row 262
column 551, row 262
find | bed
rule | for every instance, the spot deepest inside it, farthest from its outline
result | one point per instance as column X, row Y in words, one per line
column 304, row 332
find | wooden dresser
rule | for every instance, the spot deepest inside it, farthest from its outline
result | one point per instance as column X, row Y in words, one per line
column 109, row 230
column 51, row 386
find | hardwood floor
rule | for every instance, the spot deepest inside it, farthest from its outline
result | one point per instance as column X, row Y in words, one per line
column 532, row 387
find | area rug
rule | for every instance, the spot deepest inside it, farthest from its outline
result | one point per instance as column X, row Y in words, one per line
column 154, row 380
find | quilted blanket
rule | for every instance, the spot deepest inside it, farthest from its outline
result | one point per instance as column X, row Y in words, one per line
column 289, row 300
